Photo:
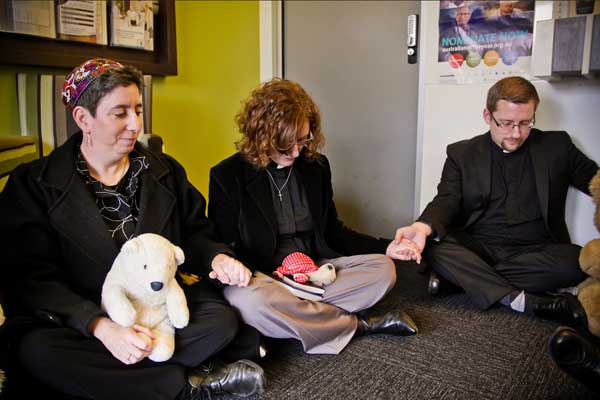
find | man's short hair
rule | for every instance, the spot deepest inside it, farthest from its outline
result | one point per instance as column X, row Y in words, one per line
column 513, row 89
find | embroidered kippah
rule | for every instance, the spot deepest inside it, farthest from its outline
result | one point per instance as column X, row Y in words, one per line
column 82, row 76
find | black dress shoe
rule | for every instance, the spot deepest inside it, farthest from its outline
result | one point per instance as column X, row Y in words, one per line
column 576, row 355
column 242, row 378
column 391, row 322
column 438, row 286
column 434, row 284
column 563, row 308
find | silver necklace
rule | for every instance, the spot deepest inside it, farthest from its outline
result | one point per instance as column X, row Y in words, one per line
column 280, row 189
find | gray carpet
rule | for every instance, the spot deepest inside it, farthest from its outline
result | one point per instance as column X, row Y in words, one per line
column 459, row 353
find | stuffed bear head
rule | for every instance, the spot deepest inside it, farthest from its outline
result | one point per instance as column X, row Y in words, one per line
column 149, row 262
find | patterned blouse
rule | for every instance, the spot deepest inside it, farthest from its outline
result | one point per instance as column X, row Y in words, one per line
column 118, row 204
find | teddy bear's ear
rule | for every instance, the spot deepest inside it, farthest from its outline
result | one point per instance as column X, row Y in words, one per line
column 179, row 256
column 132, row 246
column 595, row 187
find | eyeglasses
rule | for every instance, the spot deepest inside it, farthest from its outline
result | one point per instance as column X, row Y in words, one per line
column 508, row 126
column 300, row 143
column 305, row 140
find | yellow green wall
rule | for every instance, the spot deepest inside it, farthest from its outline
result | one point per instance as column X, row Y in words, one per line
column 218, row 65
column 9, row 115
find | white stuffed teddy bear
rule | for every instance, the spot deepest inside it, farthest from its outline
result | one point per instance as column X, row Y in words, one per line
column 141, row 289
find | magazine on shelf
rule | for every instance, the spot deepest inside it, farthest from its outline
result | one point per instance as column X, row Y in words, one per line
column 295, row 290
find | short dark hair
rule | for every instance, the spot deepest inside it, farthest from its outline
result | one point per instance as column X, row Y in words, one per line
column 513, row 89
column 106, row 82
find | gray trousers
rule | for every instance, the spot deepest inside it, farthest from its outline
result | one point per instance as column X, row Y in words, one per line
column 323, row 327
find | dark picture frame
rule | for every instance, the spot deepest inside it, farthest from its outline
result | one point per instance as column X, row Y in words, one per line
column 34, row 51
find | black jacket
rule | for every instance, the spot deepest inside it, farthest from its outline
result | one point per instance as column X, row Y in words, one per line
column 57, row 248
column 464, row 189
column 241, row 207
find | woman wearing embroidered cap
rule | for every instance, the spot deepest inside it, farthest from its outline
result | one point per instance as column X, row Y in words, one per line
column 273, row 198
column 65, row 217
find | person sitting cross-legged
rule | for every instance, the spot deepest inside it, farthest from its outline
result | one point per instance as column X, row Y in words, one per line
column 274, row 198
column 499, row 213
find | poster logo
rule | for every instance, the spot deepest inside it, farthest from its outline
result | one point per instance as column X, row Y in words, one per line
column 484, row 35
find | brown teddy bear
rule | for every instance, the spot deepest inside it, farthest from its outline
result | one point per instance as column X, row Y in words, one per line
column 589, row 260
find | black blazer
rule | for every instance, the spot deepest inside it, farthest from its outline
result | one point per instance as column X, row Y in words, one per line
column 57, row 250
column 464, row 189
column 241, row 207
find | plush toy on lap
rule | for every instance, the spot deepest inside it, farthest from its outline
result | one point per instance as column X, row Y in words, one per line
column 303, row 269
column 141, row 289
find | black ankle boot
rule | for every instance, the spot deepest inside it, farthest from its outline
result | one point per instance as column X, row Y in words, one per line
column 391, row 322
column 242, row 378
column 576, row 355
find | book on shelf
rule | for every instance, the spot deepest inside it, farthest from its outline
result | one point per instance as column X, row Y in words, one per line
column 298, row 289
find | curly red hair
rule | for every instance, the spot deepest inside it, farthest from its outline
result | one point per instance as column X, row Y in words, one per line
column 272, row 118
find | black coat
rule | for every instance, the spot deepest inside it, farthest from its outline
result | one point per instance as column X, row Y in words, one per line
column 464, row 189
column 57, row 248
column 241, row 207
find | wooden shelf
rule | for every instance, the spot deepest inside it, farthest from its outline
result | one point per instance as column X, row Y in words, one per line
column 34, row 51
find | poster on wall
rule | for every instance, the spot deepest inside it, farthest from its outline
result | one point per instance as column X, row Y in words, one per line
column 82, row 21
column 132, row 24
column 484, row 40
column 28, row 17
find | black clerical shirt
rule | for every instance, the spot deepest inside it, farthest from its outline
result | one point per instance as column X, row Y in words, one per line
column 294, row 222
column 513, row 213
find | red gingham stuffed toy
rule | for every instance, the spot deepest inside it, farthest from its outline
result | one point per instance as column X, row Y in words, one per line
column 303, row 269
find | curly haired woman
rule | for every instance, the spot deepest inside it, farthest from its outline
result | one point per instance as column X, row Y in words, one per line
column 274, row 197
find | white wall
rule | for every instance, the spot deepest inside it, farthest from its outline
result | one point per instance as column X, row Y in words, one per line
column 450, row 112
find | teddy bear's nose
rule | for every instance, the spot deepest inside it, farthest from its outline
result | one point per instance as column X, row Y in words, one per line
column 330, row 267
column 156, row 286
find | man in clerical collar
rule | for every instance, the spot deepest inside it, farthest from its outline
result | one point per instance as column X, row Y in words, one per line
column 499, row 213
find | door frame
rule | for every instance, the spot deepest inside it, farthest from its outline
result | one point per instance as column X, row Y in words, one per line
column 271, row 39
